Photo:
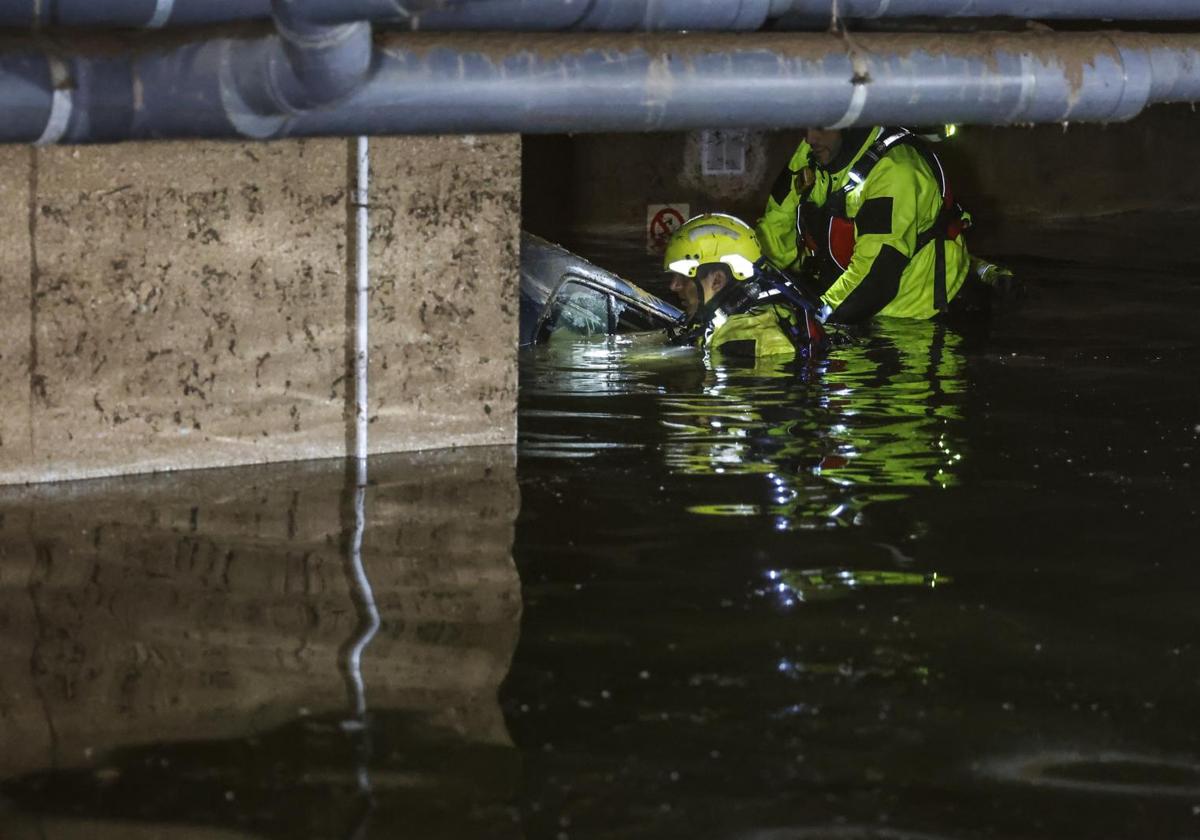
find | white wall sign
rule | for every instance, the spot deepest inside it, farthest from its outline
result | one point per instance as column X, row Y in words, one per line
column 723, row 151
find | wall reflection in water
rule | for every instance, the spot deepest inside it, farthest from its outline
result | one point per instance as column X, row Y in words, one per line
column 176, row 652
column 878, row 419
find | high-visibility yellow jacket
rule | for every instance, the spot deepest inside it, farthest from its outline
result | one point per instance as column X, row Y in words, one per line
column 777, row 230
column 755, row 333
column 890, row 272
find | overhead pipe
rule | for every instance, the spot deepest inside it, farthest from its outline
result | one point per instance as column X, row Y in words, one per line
column 561, row 84
column 246, row 86
column 310, row 64
column 598, row 15
column 155, row 14
column 575, row 83
column 219, row 87
column 133, row 14
column 809, row 11
column 559, row 15
column 529, row 15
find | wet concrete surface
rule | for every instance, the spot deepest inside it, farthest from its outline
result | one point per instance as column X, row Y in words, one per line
column 938, row 585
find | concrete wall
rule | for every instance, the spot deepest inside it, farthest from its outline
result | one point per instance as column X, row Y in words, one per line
column 144, row 613
column 1047, row 190
column 1120, row 194
column 169, row 306
column 602, row 183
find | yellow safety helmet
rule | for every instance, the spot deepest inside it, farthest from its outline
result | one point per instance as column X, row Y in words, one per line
column 713, row 239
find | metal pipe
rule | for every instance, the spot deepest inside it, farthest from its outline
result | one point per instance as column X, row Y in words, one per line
column 546, row 15
column 258, row 83
column 312, row 64
column 362, row 290
column 133, row 14
column 820, row 10
column 583, row 84
column 247, row 85
column 534, row 15
column 596, row 15
column 586, row 83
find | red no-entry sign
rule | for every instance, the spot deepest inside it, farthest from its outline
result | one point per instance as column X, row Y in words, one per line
column 661, row 221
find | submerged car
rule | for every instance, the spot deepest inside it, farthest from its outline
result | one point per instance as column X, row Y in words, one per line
column 563, row 292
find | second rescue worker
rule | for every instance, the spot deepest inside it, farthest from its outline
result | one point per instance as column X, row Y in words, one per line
column 873, row 207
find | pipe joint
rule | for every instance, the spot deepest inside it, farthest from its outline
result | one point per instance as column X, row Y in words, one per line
column 320, row 63
column 323, row 69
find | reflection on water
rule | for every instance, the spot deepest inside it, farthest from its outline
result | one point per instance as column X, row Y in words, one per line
column 1112, row 773
column 821, row 442
column 933, row 587
column 209, row 650
column 872, row 420
column 794, row 587
column 937, row 585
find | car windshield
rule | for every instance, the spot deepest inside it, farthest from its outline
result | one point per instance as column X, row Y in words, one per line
column 581, row 309
column 564, row 293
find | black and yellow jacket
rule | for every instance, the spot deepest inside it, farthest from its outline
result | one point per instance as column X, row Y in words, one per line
column 742, row 323
column 757, row 332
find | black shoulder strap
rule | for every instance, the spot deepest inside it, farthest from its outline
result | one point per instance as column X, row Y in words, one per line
column 888, row 139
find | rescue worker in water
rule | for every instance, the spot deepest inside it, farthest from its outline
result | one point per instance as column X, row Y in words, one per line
column 735, row 306
column 866, row 217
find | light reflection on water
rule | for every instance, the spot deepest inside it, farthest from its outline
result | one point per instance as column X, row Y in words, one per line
column 877, row 418
column 920, row 589
column 986, row 628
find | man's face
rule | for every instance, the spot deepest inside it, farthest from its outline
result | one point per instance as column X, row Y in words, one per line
column 685, row 289
column 825, row 143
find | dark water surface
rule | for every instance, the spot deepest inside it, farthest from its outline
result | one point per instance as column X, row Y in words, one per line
column 941, row 585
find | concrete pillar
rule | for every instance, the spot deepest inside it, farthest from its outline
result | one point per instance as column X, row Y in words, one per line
column 180, row 305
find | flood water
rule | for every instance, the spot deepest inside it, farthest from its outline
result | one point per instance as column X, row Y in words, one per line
column 939, row 585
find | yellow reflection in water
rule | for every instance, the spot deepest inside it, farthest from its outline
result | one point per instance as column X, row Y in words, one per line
column 793, row 585
column 874, row 422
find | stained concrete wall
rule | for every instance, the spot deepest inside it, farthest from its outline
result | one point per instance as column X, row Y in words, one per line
column 603, row 183
column 144, row 613
column 170, row 306
column 1047, row 190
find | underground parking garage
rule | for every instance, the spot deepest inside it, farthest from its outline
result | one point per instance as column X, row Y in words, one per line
column 301, row 537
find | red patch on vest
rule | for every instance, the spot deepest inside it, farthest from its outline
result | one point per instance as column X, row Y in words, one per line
column 841, row 241
column 842, row 237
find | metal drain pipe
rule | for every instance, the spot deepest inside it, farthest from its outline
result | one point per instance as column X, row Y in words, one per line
column 577, row 83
